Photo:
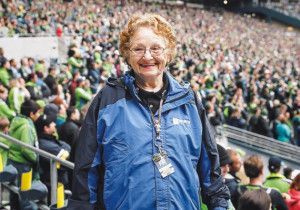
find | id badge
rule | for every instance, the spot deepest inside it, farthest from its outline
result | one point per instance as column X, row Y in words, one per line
column 163, row 164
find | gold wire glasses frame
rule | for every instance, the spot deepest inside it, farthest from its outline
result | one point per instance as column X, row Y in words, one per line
column 154, row 51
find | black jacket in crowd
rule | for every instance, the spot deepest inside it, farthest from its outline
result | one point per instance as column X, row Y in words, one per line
column 232, row 182
column 50, row 82
column 49, row 143
column 69, row 132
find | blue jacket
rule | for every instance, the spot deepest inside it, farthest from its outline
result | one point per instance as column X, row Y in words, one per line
column 114, row 167
column 283, row 131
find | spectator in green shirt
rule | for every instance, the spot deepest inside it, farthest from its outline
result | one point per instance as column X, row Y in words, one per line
column 4, row 109
column 82, row 96
column 275, row 179
column 5, row 75
column 23, row 128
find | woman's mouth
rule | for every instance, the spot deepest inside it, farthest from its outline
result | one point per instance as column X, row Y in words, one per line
column 147, row 65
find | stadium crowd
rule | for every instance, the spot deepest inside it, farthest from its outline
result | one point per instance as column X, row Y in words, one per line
column 289, row 8
column 245, row 71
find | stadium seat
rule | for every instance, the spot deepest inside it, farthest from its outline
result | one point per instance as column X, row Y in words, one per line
column 9, row 174
column 38, row 191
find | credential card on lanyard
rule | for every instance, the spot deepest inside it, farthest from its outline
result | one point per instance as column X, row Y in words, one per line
column 163, row 164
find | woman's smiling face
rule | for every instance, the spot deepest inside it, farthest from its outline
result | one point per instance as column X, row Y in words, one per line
column 147, row 67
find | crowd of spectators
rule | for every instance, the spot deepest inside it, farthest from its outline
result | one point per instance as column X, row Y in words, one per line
column 256, row 192
column 245, row 71
column 50, row 18
column 289, row 8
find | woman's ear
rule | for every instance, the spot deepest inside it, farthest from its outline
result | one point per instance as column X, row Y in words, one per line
column 126, row 60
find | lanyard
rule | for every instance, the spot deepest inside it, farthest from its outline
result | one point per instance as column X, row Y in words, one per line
column 157, row 124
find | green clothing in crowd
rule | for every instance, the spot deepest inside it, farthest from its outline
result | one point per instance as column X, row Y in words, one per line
column 6, row 111
column 82, row 97
column 75, row 63
column 97, row 58
column 39, row 67
column 32, row 84
column 69, row 75
column 5, row 77
column 107, row 68
column 22, row 128
column 278, row 181
column 15, row 99
column 4, row 152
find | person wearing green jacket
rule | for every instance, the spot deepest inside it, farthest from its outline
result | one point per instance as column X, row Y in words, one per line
column 40, row 66
column 5, row 76
column 22, row 128
column 15, row 98
column 276, row 180
column 75, row 60
column 82, row 96
column 4, row 128
column 4, row 109
column 97, row 55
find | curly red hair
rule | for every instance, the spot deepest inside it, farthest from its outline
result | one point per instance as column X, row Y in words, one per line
column 157, row 23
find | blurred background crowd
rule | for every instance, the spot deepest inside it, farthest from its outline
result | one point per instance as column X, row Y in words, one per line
column 245, row 70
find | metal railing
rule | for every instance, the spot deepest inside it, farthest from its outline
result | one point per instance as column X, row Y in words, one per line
column 256, row 141
column 4, row 146
column 53, row 162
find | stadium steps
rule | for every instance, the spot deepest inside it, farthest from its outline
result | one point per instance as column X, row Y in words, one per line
column 261, row 144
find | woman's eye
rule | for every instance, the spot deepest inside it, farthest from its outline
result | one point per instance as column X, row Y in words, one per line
column 155, row 48
column 138, row 49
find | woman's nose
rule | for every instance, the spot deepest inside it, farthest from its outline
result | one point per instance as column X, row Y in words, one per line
column 147, row 54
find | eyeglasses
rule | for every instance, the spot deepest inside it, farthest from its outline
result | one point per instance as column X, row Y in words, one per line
column 140, row 51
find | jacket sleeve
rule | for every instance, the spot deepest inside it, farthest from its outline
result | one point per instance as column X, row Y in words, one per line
column 54, row 148
column 86, row 173
column 80, row 93
column 33, row 94
column 14, row 99
column 214, row 192
column 28, row 138
column 6, row 111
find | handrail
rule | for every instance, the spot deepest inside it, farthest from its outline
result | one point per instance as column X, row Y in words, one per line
column 53, row 161
column 249, row 133
column 269, row 145
column 43, row 153
column 4, row 146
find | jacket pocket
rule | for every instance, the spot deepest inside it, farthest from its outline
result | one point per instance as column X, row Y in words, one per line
column 114, row 150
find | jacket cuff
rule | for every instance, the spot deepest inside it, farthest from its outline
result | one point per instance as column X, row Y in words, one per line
column 79, row 205
column 229, row 206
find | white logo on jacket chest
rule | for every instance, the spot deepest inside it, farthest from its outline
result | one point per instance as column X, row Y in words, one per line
column 177, row 121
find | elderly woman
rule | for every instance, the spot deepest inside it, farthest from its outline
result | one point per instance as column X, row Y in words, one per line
column 146, row 142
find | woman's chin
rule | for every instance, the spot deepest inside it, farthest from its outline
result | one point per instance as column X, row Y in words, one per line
column 149, row 75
